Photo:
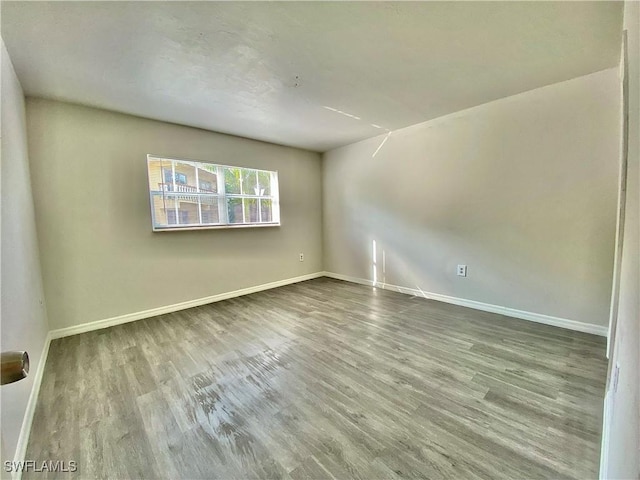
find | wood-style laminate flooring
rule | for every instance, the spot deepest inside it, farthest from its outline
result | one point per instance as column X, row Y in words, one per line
column 323, row 379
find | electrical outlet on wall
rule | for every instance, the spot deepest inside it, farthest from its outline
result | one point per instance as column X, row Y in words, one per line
column 302, row 257
column 462, row 270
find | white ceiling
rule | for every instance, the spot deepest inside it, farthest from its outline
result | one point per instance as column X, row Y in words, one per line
column 311, row 75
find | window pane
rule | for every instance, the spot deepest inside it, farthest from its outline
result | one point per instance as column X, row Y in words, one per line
column 164, row 209
column 210, row 213
column 251, row 210
column 184, row 180
column 158, row 208
column 156, row 179
column 249, row 182
column 265, row 206
column 264, row 181
column 166, row 205
column 167, row 175
column 232, row 181
column 186, row 216
column 234, row 209
column 208, row 180
column 185, row 175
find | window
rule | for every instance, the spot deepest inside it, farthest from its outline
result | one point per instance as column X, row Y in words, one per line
column 182, row 214
column 181, row 178
column 205, row 186
column 191, row 195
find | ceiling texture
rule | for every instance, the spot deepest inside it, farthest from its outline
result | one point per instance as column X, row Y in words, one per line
column 315, row 75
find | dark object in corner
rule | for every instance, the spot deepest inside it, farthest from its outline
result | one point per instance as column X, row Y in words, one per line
column 15, row 366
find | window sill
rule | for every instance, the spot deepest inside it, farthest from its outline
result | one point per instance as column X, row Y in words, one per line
column 215, row 227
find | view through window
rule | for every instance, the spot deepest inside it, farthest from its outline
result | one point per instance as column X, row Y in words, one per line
column 187, row 194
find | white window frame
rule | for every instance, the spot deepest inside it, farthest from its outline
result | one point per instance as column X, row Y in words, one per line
column 221, row 195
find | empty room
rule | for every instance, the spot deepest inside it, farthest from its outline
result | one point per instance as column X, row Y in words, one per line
column 320, row 240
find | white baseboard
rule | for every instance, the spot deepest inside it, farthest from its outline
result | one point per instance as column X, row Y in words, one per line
column 485, row 307
column 131, row 317
column 25, row 430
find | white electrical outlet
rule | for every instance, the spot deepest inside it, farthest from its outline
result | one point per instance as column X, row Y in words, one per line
column 302, row 257
column 462, row 270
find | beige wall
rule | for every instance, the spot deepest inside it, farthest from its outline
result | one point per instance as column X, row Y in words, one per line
column 100, row 257
column 23, row 316
column 522, row 190
column 623, row 451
